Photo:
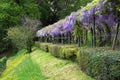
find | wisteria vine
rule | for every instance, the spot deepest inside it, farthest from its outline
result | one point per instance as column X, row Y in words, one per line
column 103, row 11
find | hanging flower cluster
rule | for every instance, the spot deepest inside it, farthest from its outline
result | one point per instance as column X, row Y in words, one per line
column 102, row 13
column 99, row 10
column 61, row 27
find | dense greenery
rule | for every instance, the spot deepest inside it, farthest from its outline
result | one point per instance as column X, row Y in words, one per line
column 2, row 64
column 53, row 10
column 22, row 37
column 101, row 64
column 11, row 14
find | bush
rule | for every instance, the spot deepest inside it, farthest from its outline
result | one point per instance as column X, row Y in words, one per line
column 112, row 66
column 68, row 52
column 58, row 50
column 44, row 46
column 22, row 37
column 54, row 49
column 2, row 64
column 63, row 51
column 99, row 63
column 37, row 44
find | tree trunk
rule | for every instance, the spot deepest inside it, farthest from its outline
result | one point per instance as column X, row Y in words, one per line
column 100, row 36
column 94, row 33
column 70, row 37
column 29, row 49
column 115, row 38
column 29, row 46
column 108, row 36
column 79, row 41
column 86, row 39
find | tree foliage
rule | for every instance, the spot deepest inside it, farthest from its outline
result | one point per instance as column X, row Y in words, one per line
column 11, row 12
column 21, row 37
column 53, row 10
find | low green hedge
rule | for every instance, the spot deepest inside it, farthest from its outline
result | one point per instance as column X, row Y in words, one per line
column 43, row 46
column 63, row 51
column 100, row 64
column 37, row 44
column 2, row 64
column 54, row 49
column 68, row 52
column 58, row 50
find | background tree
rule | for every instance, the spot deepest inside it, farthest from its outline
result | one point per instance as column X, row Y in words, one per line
column 53, row 10
column 11, row 13
column 21, row 37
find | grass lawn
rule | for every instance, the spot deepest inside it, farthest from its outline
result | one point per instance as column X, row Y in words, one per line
column 40, row 65
column 57, row 69
column 21, row 67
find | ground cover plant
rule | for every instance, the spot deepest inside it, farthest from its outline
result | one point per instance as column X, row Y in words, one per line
column 21, row 67
column 2, row 64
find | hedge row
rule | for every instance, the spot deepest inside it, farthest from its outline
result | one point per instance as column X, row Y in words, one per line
column 58, row 50
column 2, row 64
column 99, row 63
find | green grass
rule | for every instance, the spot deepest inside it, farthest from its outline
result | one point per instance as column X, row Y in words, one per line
column 33, row 66
column 21, row 67
column 58, row 69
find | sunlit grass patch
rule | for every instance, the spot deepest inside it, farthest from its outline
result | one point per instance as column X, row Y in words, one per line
column 22, row 68
column 58, row 69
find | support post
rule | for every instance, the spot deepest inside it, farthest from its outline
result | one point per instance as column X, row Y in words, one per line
column 94, row 33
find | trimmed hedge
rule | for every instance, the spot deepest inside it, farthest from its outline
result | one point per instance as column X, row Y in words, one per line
column 43, row 46
column 58, row 50
column 68, row 52
column 63, row 51
column 100, row 64
column 54, row 49
column 2, row 64
column 37, row 44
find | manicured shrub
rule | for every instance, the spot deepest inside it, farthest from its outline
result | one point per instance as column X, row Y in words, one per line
column 2, row 64
column 44, row 46
column 37, row 44
column 68, row 52
column 112, row 66
column 58, row 50
column 99, row 63
column 54, row 49
column 63, row 51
